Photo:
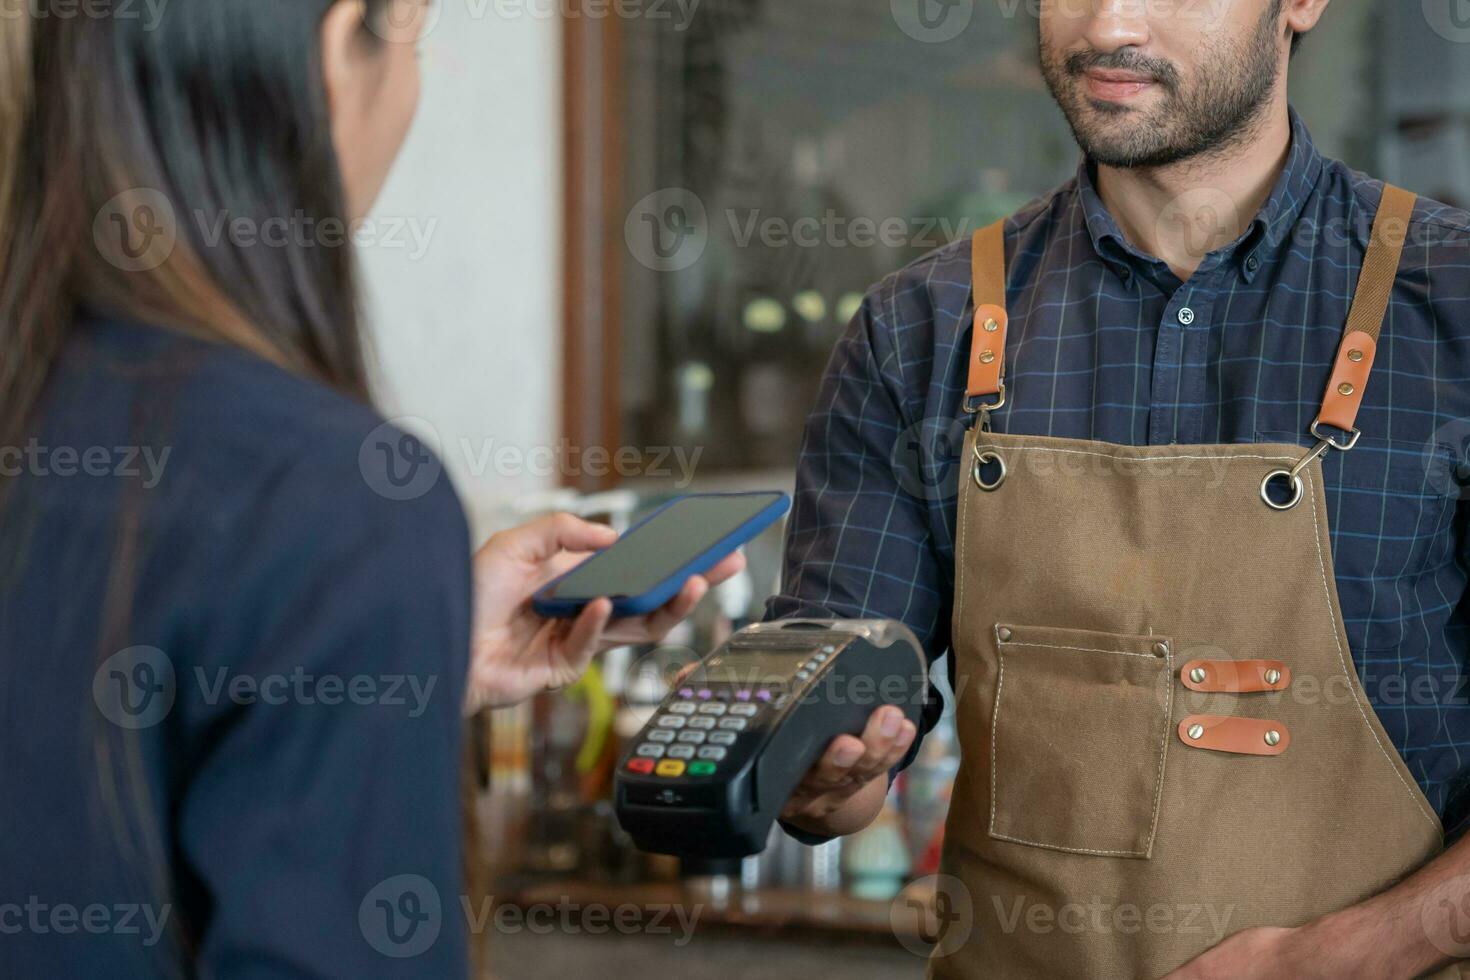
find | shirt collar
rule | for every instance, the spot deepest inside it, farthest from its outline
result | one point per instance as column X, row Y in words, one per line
column 1262, row 236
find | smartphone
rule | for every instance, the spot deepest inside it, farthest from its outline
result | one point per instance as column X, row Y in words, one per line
column 653, row 559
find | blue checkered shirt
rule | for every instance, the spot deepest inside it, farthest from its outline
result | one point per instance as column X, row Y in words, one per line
column 1106, row 343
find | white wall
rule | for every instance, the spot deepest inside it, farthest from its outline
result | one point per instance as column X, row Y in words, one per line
column 466, row 320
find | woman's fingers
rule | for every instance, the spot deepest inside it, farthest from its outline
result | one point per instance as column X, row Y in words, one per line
column 656, row 625
column 728, row 567
column 582, row 640
column 544, row 537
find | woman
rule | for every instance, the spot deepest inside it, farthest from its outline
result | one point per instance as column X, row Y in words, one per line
column 232, row 675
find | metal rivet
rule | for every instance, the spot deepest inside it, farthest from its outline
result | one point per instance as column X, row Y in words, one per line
column 1004, row 634
column 1195, row 731
column 1162, row 649
column 1345, row 388
column 991, row 326
column 1273, row 737
column 1355, row 355
column 986, row 356
column 1197, row 675
column 1273, row 675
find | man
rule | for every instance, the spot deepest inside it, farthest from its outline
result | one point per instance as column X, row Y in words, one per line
column 1206, row 622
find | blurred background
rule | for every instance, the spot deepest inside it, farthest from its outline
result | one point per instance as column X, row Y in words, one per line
column 629, row 235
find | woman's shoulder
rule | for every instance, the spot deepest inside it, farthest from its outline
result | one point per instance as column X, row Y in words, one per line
column 217, row 428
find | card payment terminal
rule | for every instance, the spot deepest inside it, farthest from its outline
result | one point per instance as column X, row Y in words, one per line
column 713, row 767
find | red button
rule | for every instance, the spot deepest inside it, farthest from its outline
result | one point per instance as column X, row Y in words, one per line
column 644, row 766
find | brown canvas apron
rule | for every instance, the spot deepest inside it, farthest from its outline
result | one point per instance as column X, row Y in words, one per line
column 1164, row 738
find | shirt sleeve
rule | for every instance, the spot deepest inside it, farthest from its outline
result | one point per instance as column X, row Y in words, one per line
column 859, row 541
column 320, row 824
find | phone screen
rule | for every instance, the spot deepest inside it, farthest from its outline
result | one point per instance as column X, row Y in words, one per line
column 650, row 553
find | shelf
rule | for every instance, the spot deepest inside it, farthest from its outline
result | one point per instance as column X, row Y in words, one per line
column 770, row 910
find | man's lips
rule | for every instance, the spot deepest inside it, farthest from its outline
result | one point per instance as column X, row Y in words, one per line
column 1112, row 85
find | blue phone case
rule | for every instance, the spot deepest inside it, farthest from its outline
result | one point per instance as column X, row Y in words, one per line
column 545, row 603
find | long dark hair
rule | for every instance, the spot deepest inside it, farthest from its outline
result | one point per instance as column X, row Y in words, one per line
column 218, row 109
column 118, row 132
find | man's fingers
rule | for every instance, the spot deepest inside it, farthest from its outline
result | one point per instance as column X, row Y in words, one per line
column 835, row 767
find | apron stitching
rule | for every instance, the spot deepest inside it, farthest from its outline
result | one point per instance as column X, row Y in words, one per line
column 1153, row 827
column 1148, row 459
column 1342, row 662
column 1058, row 646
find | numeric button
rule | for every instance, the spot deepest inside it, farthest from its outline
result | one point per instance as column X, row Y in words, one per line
column 733, row 724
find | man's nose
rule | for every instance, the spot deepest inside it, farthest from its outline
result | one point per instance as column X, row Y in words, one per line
column 1112, row 24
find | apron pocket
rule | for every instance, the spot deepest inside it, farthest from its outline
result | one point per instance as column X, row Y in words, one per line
column 1078, row 738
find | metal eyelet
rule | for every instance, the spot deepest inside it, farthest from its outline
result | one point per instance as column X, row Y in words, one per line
column 1299, row 487
column 981, row 458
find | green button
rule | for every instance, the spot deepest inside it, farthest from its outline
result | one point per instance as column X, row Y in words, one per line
column 701, row 768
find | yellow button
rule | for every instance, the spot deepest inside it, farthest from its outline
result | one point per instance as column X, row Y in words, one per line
column 670, row 767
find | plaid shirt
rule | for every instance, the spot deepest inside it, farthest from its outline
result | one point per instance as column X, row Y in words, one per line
column 1106, row 343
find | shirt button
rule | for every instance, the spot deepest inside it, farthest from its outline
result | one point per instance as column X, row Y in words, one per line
column 1186, row 316
column 1252, row 264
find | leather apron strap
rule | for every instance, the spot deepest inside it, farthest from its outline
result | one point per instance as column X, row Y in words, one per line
column 1349, row 377
column 1370, row 303
column 988, row 333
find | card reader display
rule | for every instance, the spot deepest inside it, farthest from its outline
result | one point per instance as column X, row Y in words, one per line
column 711, row 770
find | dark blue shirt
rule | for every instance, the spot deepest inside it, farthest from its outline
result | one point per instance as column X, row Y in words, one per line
column 1106, row 343
column 231, row 747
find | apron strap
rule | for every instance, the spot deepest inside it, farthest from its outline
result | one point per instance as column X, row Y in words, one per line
column 1360, row 337
column 988, row 333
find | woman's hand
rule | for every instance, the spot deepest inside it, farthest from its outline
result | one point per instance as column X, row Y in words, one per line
column 516, row 653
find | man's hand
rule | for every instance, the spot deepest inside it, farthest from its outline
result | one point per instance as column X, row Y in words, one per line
column 844, row 791
column 516, row 653
column 1263, row 953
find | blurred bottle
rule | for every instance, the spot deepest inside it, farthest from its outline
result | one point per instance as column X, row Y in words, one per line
column 876, row 861
column 926, row 788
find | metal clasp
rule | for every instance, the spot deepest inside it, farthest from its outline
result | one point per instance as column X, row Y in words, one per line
column 983, row 410
column 1353, row 441
column 1295, row 473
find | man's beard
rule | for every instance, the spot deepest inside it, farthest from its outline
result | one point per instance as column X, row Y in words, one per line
column 1234, row 87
